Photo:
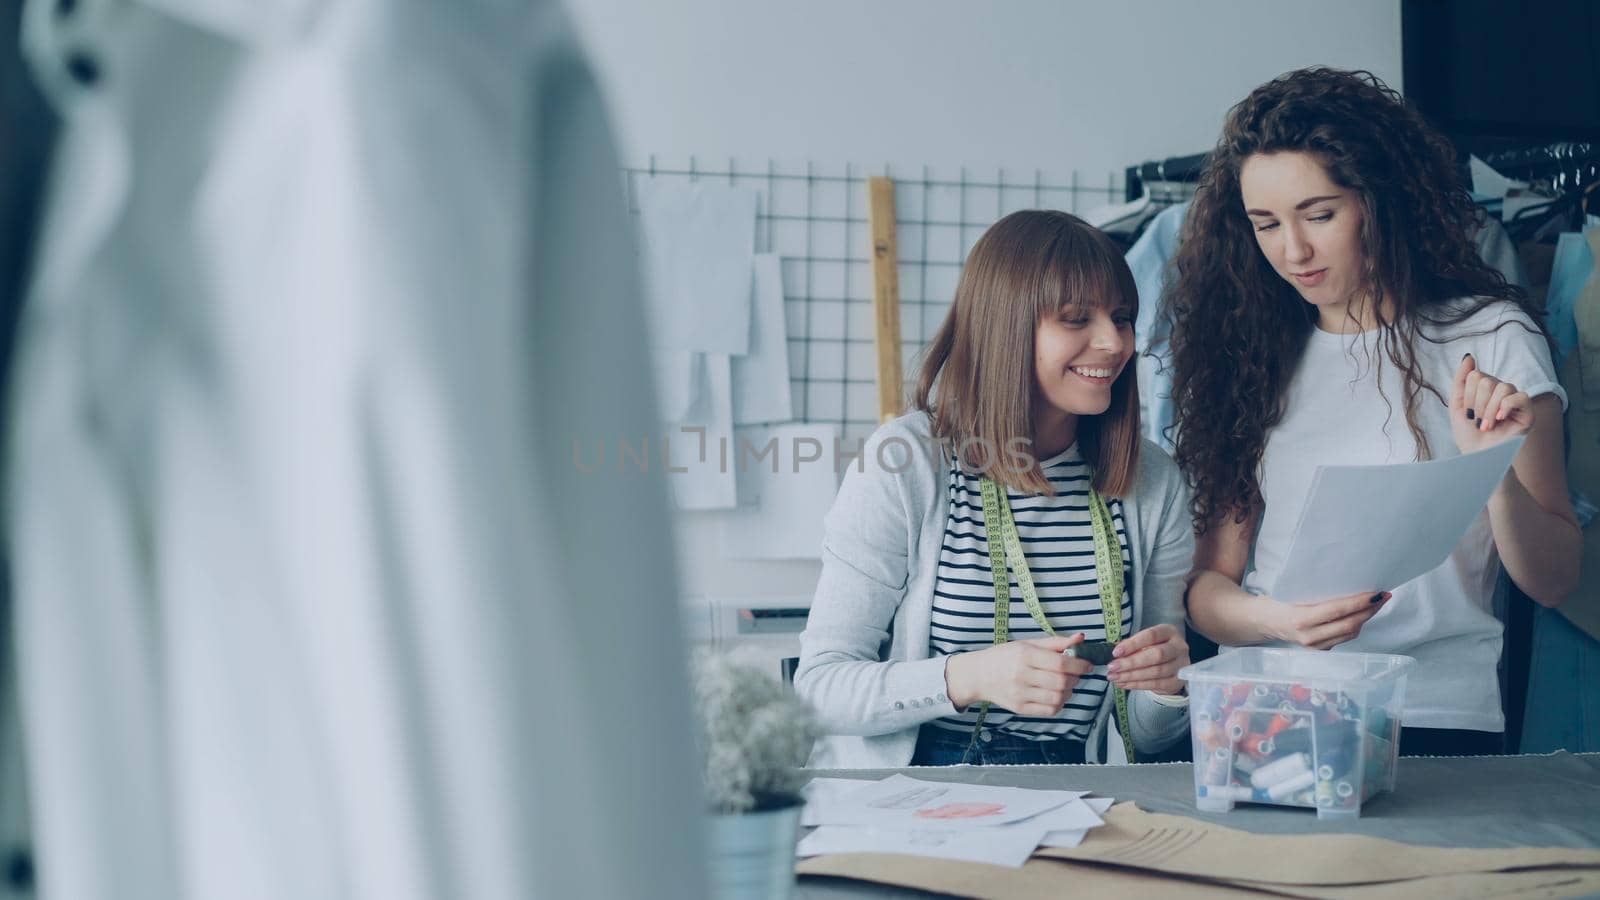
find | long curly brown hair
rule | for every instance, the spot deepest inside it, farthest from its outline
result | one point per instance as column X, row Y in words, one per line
column 1239, row 329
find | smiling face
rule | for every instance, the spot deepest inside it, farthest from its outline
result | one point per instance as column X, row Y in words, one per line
column 1309, row 229
column 1037, row 344
column 1078, row 354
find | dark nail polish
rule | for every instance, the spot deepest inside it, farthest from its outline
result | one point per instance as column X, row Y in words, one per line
column 1376, row 598
column 1470, row 415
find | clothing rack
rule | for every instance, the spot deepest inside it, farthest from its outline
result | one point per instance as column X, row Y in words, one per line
column 1171, row 169
column 1567, row 165
column 1567, row 171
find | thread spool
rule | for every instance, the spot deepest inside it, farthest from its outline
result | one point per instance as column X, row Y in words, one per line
column 1238, row 724
column 1280, row 770
column 1257, row 745
column 1290, row 785
column 1218, row 766
column 1235, row 792
column 1293, row 740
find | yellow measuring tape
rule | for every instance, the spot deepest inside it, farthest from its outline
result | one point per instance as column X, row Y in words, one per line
column 1008, row 551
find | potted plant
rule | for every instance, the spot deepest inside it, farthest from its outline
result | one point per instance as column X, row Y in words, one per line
column 755, row 735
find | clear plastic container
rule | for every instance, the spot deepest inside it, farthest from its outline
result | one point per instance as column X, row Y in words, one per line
column 1295, row 728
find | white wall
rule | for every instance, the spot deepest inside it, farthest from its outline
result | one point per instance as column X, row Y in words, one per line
column 1021, row 84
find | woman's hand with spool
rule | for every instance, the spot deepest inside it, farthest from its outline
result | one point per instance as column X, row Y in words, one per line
column 1029, row 678
column 1149, row 660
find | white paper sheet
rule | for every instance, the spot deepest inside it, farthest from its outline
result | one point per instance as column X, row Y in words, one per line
column 1064, row 840
column 780, row 513
column 699, row 242
column 900, row 802
column 701, row 466
column 1373, row 528
column 761, row 377
column 1073, row 815
column 822, row 794
column 1009, row 845
column 1067, row 838
column 996, row 846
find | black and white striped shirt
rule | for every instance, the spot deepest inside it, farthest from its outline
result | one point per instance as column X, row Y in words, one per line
column 1058, row 541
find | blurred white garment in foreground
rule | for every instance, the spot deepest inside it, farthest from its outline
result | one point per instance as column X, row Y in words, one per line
column 311, row 599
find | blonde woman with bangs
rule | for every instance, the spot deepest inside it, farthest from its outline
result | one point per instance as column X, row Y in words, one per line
column 929, row 643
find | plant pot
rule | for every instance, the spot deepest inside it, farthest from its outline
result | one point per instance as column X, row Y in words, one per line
column 752, row 854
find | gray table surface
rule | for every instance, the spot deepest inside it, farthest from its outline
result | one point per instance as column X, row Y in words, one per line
column 1480, row 801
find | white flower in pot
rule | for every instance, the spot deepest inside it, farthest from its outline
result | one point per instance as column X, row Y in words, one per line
column 755, row 735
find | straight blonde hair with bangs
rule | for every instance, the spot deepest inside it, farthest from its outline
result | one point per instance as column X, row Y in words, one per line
column 978, row 383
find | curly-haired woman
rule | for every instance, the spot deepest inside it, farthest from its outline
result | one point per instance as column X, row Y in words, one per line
column 1014, row 515
column 1330, row 308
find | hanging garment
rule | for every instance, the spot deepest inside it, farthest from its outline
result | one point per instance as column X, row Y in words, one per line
column 1563, row 708
column 27, row 131
column 1150, row 259
column 1125, row 223
column 1570, row 270
column 311, row 600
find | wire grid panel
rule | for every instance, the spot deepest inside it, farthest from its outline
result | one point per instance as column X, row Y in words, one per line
column 815, row 218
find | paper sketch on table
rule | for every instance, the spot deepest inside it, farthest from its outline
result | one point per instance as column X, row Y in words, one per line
column 900, row 802
column 822, row 793
column 1373, row 528
column 1068, row 838
column 1074, row 815
column 761, row 391
column 832, row 800
column 1064, row 840
column 996, row 846
column 786, row 483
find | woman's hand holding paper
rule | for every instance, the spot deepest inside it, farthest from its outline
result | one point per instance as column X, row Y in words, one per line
column 1324, row 624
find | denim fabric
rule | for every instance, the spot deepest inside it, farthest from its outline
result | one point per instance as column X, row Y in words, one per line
column 945, row 747
column 1563, row 705
column 1569, row 272
column 1149, row 258
column 1563, row 688
column 1451, row 742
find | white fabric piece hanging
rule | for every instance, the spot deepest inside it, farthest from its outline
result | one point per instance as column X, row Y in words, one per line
column 309, row 594
column 699, row 457
column 762, row 392
column 700, row 245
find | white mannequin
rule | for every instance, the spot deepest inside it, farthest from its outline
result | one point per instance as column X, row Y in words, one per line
column 309, row 600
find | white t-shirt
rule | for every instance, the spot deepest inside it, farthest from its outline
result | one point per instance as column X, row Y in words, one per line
column 1335, row 415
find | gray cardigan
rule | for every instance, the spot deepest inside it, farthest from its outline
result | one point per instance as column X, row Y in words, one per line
column 864, row 656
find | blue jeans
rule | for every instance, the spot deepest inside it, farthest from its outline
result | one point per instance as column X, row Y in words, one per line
column 943, row 747
column 1563, row 688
